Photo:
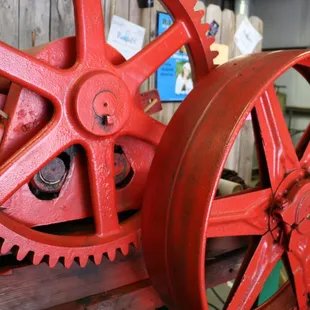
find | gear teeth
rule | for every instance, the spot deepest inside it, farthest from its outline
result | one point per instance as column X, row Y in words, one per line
column 37, row 258
column 21, row 254
column 189, row 3
column 6, row 247
column 52, row 261
column 214, row 54
column 83, row 260
column 210, row 40
column 205, row 29
column 97, row 258
column 124, row 249
column 136, row 244
column 200, row 14
column 68, row 261
column 111, row 255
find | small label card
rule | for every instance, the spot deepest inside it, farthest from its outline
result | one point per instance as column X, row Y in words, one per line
column 247, row 37
column 126, row 37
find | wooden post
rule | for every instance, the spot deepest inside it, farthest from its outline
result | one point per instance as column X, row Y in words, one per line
column 259, row 26
column 169, row 109
column 34, row 17
column 121, row 9
column 246, row 152
column 108, row 8
column 214, row 13
column 239, row 19
column 247, row 139
column 9, row 22
column 62, row 19
column 228, row 31
column 141, row 17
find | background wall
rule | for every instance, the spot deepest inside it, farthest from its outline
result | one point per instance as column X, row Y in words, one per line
column 287, row 22
column 27, row 23
column 286, row 25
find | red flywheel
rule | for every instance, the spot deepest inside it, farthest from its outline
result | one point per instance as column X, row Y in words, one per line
column 187, row 213
column 77, row 145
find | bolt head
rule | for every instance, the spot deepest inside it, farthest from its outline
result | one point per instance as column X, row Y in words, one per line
column 53, row 172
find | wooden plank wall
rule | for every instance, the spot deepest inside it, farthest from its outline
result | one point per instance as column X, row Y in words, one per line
column 27, row 23
column 9, row 23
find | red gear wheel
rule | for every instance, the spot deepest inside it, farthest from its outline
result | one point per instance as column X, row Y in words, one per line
column 95, row 104
column 186, row 212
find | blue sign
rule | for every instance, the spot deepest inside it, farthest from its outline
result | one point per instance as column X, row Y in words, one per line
column 174, row 77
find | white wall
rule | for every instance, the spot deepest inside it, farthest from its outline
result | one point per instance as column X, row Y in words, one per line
column 286, row 22
column 287, row 25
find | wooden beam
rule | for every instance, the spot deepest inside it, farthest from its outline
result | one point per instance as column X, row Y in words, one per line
column 40, row 287
column 137, row 296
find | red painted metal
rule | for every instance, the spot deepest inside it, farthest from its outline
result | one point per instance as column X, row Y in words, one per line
column 186, row 212
column 84, row 94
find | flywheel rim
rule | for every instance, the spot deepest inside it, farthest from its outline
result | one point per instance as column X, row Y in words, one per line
column 187, row 182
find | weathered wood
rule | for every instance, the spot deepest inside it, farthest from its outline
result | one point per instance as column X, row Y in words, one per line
column 9, row 22
column 121, row 9
column 168, row 111
column 245, row 164
column 109, row 8
column 246, row 136
column 34, row 23
column 214, row 13
column 141, row 17
column 153, row 24
column 62, row 19
column 239, row 19
column 259, row 26
column 40, row 287
column 168, row 108
column 138, row 296
column 228, row 31
column 235, row 159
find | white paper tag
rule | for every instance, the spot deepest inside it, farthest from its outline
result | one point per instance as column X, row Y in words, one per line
column 247, row 37
column 126, row 37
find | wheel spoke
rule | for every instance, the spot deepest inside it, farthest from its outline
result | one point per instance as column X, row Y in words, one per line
column 140, row 156
column 32, row 73
column 91, row 43
column 305, row 160
column 303, row 149
column 136, row 70
column 299, row 260
column 102, row 184
column 25, row 163
column 240, row 215
column 254, row 272
column 144, row 127
column 278, row 147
